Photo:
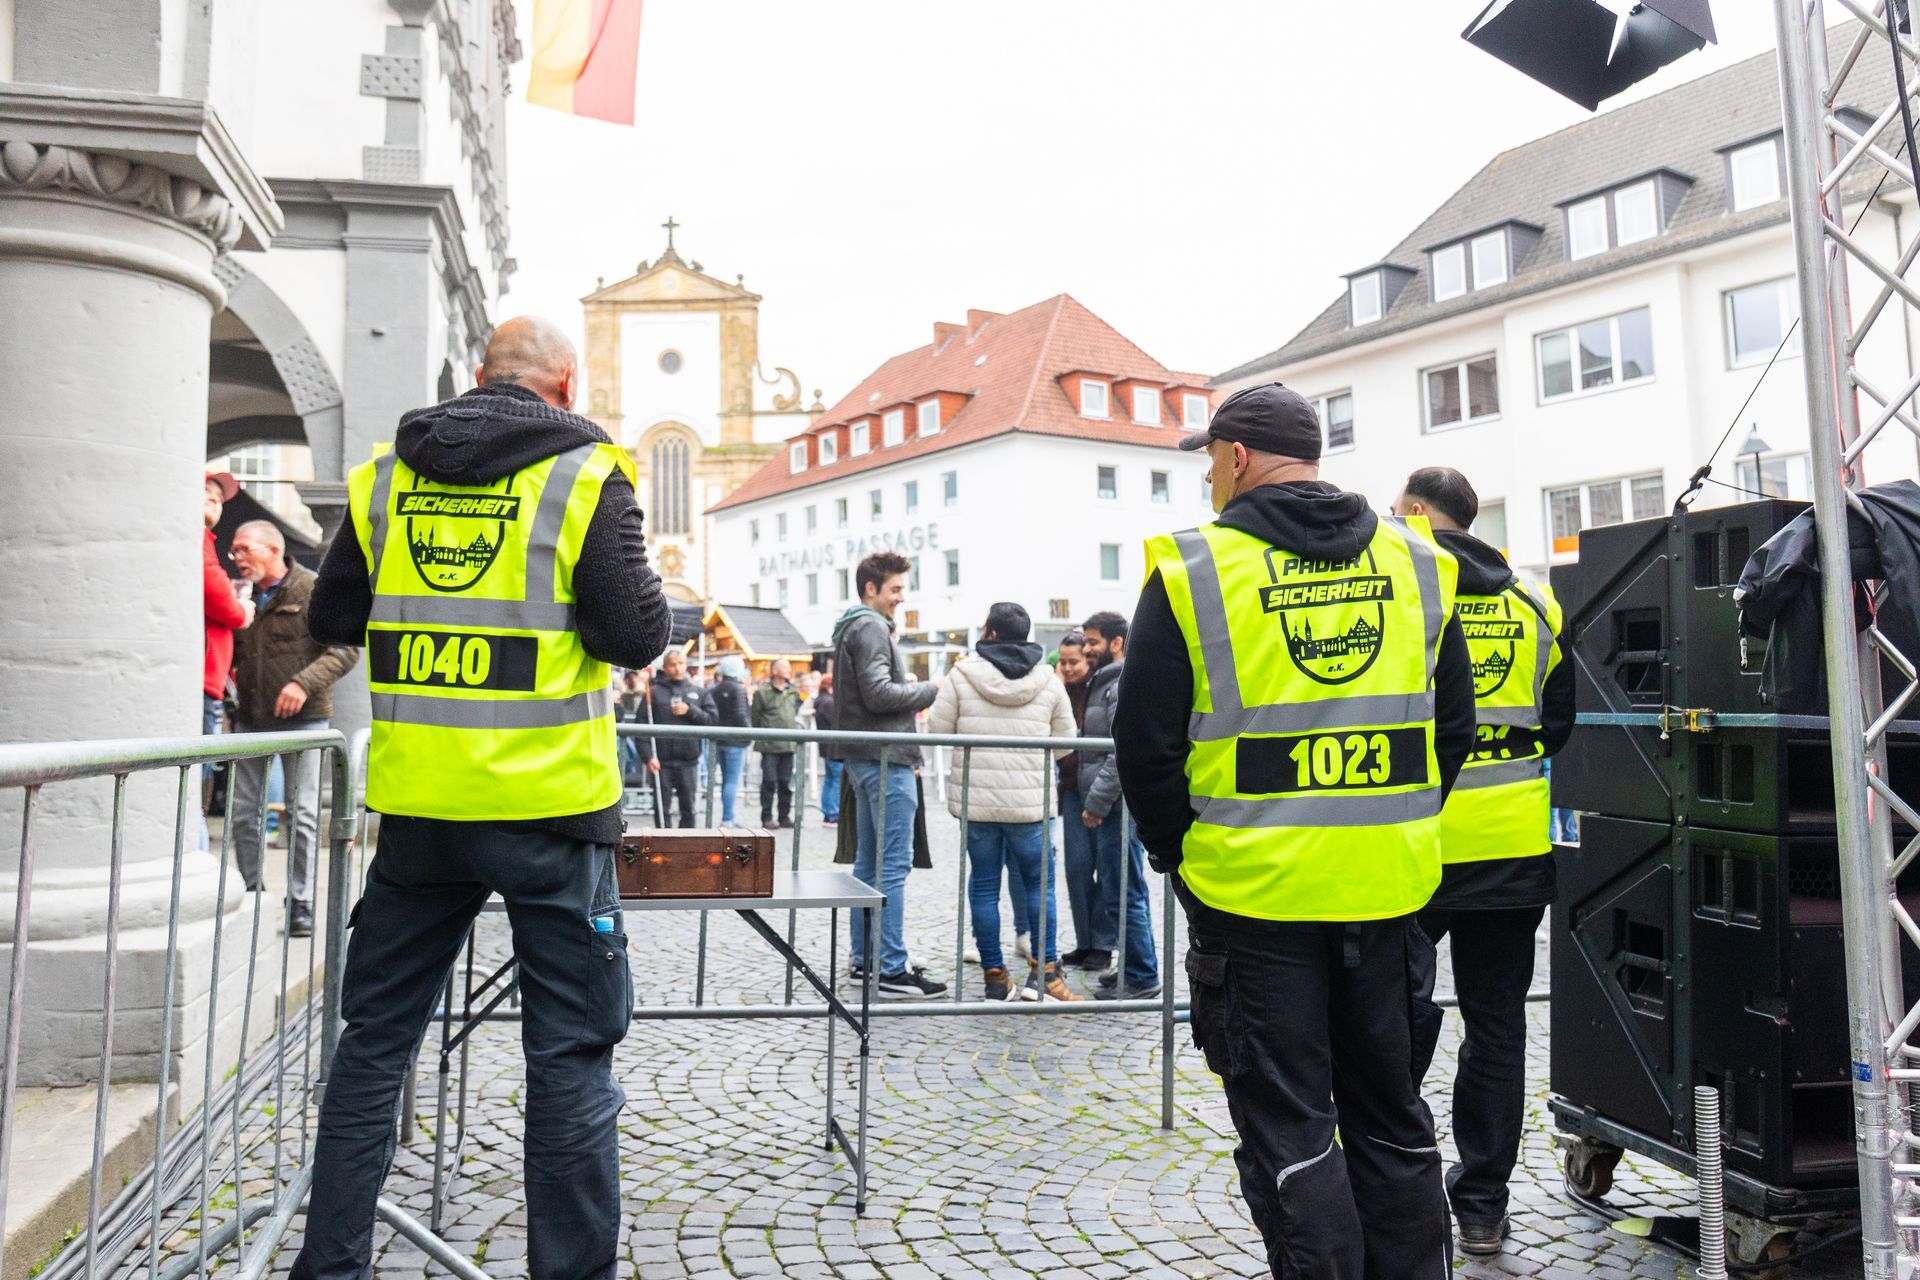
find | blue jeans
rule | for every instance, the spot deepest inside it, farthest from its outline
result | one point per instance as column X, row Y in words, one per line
column 1016, row 846
column 1140, row 968
column 883, row 860
column 830, row 790
column 1078, row 856
column 732, row 761
column 210, row 711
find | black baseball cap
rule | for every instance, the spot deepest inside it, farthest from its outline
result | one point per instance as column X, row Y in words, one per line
column 1267, row 419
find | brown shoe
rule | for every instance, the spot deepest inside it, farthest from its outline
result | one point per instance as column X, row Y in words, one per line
column 999, row 984
column 1054, row 985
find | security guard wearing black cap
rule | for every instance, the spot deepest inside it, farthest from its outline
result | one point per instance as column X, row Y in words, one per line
column 1298, row 704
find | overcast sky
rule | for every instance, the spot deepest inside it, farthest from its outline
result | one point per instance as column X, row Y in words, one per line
column 1198, row 172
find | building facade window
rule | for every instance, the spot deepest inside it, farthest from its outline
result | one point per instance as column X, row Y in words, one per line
column 797, row 457
column 839, row 513
column 1109, row 562
column 1490, row 525
column 829, row 448
column 1146, row 406
column 912, row 489
column 1589, row 357
column 1785, row 475
column 953, row 568
column 1636, row 213
column 753, row 533
column 753, row 595
column 1753, row 175
column 1060, row 607
column 1600, row 503
column 929, row 411
column 913, row 574
column 859, row 438
column 950, row 487
column 1159, row 487
column 1336, row 419
column 893, row 427
column 1587, row 228
column 672, row 484
column 813, row 588
column 844, row 578
column 783, row 593
column 780, row 527
column 1758, row 318
column 1458, row 394
column 813, row 520
column 876, row 505
column 1363, row 298
column 1490, row 259
column 1094, row 399
column 1193, row 412
column 1106, row 482
column 1448, row 270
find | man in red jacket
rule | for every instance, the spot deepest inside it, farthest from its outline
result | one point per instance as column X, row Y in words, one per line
column 226, row 613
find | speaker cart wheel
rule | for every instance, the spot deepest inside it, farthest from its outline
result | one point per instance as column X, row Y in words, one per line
column 1590, row 1166
column 1756, row 1241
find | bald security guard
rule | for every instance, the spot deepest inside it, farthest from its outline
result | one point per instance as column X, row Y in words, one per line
column 493, row 563
column 1296, row 703
column 1498, row 878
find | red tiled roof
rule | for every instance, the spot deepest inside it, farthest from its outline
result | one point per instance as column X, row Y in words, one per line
column 1009, row 369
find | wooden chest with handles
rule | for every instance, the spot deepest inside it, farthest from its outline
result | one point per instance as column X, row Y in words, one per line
column 697, row 862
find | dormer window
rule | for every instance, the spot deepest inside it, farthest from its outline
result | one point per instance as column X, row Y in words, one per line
column 1587, row 228
column 1194, row 412
column 1489, row 259
column 893, row 427
column 797, row 457
column 1448, row 271
column 1628, row 214
column 1363, row 298
column 829, row 448
column 1146, row 406
column 929, row 411
column 1478, row 262
column 1753, row 175
column 1094, row 402
column 859, row 438
column 1636, row 213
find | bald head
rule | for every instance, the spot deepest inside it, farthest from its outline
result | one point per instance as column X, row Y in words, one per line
column 535, row 354
column 260, row 552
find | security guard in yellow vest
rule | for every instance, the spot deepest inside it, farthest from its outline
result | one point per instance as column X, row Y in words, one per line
column 1296, row 705
column 493, row 563
column 1498, row 877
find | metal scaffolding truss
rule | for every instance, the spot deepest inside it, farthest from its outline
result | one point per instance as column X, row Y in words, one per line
column 1827, row 157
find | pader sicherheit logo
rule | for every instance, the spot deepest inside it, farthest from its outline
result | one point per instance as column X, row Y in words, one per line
column 453, row 538
column 1494, row 630
column 1332, row 612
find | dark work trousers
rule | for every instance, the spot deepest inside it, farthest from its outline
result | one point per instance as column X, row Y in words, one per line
column 427, row 883
column 682, row 780
column 776, row 777
column 1310, row 1028
column 1492, row 969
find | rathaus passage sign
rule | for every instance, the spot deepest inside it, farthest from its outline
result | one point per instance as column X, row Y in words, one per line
column 848, row 552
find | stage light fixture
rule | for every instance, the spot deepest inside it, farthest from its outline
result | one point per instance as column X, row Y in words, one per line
column 1584, row 50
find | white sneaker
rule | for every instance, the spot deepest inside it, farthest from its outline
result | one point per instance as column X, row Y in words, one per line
column 972, row 953
column 1023, row 945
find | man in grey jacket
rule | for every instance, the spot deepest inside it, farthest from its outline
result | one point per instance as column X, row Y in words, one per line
column 873, row 694
column 1137, row 977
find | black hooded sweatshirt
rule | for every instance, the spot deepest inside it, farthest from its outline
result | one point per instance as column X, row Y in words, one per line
column 1506, row 882
column 1156, row 685
column 475, row 439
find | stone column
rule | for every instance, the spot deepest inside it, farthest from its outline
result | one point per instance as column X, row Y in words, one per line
column 112, row 207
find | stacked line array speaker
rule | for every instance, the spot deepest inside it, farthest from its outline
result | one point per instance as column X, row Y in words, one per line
column 1697, row 938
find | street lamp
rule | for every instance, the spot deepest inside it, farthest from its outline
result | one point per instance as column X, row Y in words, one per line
column 1755, row 447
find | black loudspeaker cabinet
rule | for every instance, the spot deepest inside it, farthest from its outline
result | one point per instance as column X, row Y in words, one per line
column 1686, row 956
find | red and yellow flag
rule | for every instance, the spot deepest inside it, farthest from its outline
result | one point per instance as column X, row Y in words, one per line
column 584, row 56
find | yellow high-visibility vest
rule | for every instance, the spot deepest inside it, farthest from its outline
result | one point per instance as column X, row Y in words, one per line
column 1310, row 764
column 485, row 705
column 1499, row 807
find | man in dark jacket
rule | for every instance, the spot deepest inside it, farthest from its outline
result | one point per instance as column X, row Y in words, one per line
column 284, row 680
column 730, row 707
column 1490, row 906
column 678, row 700
column 1308, row 1016
column 1137, row 977
column 874, row 695
column 776, row 705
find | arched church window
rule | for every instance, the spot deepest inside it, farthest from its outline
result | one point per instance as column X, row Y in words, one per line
column 670, row 465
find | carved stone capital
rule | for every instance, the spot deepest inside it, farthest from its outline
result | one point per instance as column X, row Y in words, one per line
column 26, row 166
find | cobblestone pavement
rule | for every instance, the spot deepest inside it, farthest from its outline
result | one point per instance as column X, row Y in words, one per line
column 1002, row 1146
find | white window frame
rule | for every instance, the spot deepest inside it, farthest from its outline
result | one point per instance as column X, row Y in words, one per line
column 876, row 505
column 1771, row 146
column 1087, row 388
column 1577, row 251
column 953, row 566
column 813, row 589
column 910, row 496
column 859, row 438
column 1573, row 354
column 753, row 592
column 780, row 527
column 783, row 593
column 813, row 519
column 928, row 417
column 1098, row 474
column 1487, row 279
column 1374, row 297
column 1105, row 547
column 1193, row 412
column 1146, row 406
column 1652, row 192
column 1585, row 487
column 1789, row 311
column 840, row 513
column 1320, row 404
column 950, row 488
column 797, row 457
column 1457, row 255
column 1159, row 487
column 753, row 533
column 829, row 448
column 1459, row 368
column 844, row 580
column 893, row 427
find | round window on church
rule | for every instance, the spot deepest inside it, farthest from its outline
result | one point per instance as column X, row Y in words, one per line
column 670, row 361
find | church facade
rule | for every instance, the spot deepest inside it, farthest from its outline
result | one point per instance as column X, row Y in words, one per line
column 674, row 376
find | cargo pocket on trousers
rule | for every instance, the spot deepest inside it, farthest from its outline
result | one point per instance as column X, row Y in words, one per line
column 1423, row 1015
column 609, row 981
column 1213, row 1031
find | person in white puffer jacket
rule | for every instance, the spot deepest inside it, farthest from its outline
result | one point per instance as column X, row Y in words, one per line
column 1004, row 690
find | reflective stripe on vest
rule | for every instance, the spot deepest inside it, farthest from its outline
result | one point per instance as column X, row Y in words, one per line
column 1310, row 764
column 485, row 704
column 1500, row 805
